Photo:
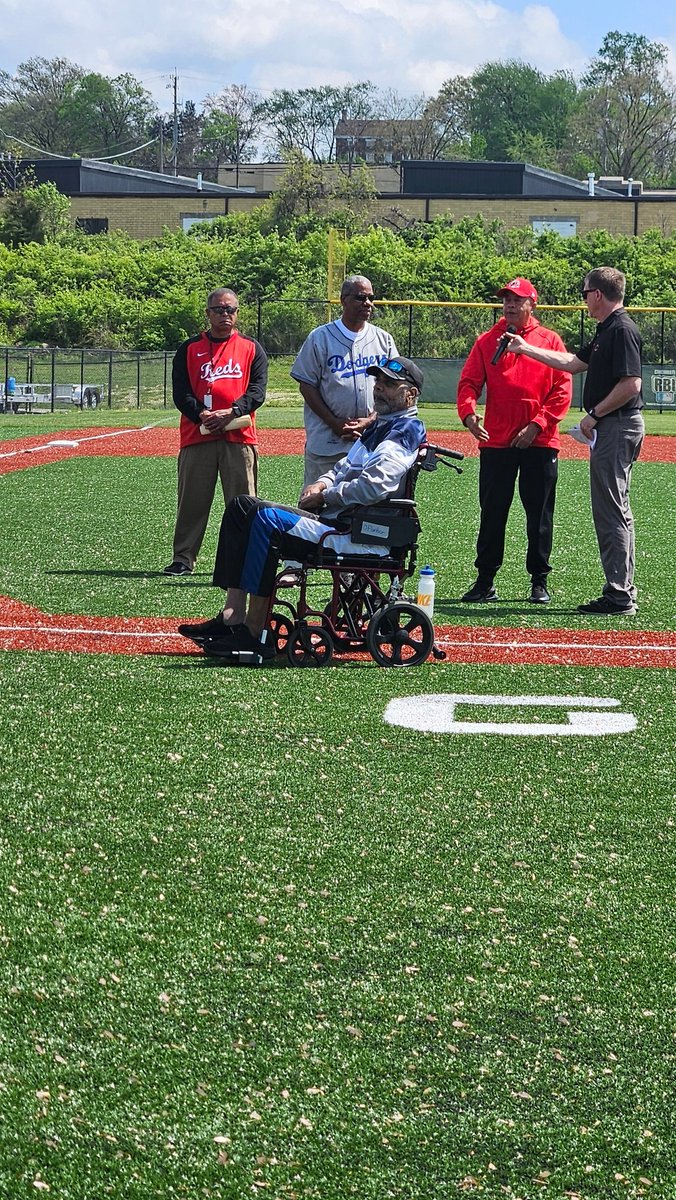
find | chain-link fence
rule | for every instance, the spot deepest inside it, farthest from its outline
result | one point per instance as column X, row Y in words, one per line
column 439, row 334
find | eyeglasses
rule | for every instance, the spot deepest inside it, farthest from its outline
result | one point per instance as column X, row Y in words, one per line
column 362, row 297
column 586, row 292
column 222, row 309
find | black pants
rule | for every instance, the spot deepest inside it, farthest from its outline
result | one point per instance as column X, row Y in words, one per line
column 537, row 469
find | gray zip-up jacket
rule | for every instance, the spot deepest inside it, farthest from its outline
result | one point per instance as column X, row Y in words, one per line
column 336, row 366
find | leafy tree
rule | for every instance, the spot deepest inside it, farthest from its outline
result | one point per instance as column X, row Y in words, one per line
column 233, row 122
column 102, row 116
column 37, row 213
column 189, row 143
column 630, row 108
column 449, row 119
column 313, row 194
column 508, row 101
column 306, row 120
column 534, row 148
column 429, row 129
column 31, row 101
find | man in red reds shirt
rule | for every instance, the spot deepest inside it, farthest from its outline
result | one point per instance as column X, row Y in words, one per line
column 218, row 381
column 519, row 436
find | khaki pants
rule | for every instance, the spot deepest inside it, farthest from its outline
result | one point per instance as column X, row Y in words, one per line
column 318, row 464
column 199, row 467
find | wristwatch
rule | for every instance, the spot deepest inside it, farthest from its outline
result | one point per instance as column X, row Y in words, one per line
column 592, row 414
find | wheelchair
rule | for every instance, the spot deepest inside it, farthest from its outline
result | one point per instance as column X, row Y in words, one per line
column 367, row 608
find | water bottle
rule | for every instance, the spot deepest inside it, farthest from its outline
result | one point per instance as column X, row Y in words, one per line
column 426, row 591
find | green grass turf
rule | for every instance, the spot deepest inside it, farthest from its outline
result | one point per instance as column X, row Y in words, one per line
column 372, row 962
column 255, row 941
column 92, row 536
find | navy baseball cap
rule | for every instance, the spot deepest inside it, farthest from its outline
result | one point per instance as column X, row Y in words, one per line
column 402, row 369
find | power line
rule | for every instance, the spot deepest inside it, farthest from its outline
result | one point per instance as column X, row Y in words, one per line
column 68, row 157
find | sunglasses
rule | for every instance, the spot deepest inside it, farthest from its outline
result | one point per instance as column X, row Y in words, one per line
column 362, row 297
column 586, row 291
column 222, row 309
column 399, row 370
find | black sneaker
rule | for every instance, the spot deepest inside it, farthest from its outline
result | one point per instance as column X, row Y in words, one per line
column 480, row 593
column 239, row 639
column 603, row 607
column 177, row 568
column 289, row 577
column 539, row 594
column 201, row 630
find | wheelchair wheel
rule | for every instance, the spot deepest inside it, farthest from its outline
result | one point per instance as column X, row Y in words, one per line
column 280, row 627
column 309, row 646
column 400, row 635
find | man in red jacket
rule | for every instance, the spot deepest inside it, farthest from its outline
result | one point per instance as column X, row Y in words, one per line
column 218, row 381
column 519, row 436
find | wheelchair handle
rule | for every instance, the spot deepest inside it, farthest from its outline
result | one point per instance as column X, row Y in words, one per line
column 442, row 451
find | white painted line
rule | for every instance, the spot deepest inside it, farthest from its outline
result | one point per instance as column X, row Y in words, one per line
column 62, row 443
column 437, row 714
column 615, row 647
column 84, row 633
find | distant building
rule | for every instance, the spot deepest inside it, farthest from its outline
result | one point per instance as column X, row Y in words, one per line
column 106, row 196
column 376, row 141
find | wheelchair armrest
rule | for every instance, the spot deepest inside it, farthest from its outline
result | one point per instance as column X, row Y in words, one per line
column 381, row 505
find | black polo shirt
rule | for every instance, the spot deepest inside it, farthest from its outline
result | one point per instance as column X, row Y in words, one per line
column 614, row 353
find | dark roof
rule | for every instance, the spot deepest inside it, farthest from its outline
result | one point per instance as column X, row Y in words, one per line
column 465, row 177
column 87, row 176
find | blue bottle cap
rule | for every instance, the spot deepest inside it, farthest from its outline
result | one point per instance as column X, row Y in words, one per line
column 427, row 571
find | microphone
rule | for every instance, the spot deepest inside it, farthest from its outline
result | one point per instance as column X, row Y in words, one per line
column 503, row 343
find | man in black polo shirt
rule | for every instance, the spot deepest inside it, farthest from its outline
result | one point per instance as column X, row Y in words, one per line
column 613, row 402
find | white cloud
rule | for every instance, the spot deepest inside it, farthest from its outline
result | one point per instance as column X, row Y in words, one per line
column 410, row 45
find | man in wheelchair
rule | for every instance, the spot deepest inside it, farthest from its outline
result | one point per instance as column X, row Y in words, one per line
column 255, row 534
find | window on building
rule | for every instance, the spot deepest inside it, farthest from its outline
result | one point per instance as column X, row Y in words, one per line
column 92, row 224
column 566, row 226
column 188, row 219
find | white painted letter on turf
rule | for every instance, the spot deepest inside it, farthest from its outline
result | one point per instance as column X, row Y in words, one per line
column 436, row 714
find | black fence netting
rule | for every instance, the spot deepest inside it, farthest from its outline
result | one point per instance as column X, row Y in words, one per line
column 438, row 335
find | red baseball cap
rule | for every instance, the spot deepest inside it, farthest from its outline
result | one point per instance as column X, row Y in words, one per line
column 520, row 287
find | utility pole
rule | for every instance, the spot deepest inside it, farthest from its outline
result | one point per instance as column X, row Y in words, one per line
column 174, row 139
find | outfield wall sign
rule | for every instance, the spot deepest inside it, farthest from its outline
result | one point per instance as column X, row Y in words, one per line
column 585, row 716
column 663, row 385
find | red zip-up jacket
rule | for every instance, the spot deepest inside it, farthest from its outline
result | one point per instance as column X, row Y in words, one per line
column 518, row 389
column 233, row 371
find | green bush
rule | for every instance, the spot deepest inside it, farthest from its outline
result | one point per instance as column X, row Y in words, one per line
column 115, row 292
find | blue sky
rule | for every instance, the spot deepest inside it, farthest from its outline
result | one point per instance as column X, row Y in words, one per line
column 409, row 45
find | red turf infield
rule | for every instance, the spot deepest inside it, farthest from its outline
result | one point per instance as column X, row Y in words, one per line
column 20, row 453
column 26, row 628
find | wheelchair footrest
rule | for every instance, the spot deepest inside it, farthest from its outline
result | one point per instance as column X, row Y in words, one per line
column 238, row 658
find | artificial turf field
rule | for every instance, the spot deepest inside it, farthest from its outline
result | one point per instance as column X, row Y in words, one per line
column 258, row 941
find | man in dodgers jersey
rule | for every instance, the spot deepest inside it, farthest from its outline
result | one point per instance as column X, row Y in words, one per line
column 218, row 381
column 331, row 370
